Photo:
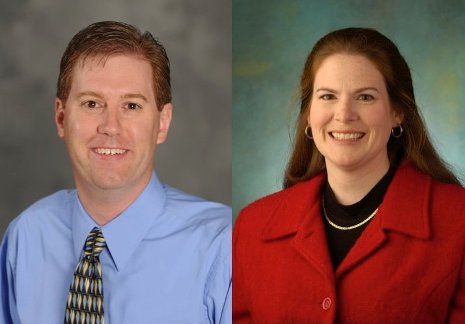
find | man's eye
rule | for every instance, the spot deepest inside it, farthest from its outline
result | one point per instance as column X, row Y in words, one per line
column 133, row 106
column 366, row 97
column 91, row 104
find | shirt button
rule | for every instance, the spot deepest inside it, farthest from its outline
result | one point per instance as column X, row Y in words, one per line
column 326, row 304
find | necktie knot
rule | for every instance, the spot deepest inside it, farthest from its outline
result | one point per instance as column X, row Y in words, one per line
column 95, row 243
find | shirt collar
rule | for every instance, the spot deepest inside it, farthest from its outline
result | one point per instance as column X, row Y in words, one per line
column 82, row 224
column 124, row 233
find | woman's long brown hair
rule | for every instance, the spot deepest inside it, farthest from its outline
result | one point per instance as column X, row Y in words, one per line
column 414, row 145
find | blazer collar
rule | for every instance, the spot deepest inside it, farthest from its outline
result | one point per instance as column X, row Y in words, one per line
column 405, row 207
column 293, row 206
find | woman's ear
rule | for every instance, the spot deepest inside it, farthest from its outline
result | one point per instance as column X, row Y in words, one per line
column 398, row 116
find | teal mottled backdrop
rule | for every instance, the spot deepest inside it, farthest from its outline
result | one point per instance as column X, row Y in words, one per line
column 271, row 40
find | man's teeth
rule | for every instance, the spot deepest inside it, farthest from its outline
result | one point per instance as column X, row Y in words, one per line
column 109, row 151
column 347, row 136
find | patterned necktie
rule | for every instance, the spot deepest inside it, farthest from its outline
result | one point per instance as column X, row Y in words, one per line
column 85, row 297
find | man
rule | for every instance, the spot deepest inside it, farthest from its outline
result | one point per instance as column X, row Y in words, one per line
column 122, row 247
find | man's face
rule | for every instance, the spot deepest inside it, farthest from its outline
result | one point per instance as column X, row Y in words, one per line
column 111, row 125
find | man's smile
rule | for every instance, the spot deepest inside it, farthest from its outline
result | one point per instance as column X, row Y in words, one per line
column 109, row 151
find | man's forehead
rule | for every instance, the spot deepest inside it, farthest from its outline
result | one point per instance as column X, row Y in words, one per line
column 83, row 79
column 100, row 59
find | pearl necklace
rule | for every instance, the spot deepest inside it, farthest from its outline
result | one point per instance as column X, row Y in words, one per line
column 346, row 228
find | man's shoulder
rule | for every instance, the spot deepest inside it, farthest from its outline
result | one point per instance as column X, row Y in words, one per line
column 44, row 218
column 45, row 210
column 54, row 202
column 195, row 209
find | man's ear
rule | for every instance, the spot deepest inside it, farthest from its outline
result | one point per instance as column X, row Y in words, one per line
column 60, row 117
column 165, row 121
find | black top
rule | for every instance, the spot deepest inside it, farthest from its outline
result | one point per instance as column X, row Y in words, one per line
column 341, row 241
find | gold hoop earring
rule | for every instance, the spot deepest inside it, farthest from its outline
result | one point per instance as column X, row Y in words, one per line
column 310, row 137
column 397, row 131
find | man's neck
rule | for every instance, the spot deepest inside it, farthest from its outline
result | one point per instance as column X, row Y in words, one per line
column 104, row 205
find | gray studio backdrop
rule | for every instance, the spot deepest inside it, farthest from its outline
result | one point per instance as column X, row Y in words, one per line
column 197, row 36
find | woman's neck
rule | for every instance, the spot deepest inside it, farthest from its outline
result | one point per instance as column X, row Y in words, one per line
column 350, row 186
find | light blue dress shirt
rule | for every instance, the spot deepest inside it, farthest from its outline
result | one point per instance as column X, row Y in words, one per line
column 168, row 260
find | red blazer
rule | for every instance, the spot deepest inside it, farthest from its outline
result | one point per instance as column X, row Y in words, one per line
column 406, row 267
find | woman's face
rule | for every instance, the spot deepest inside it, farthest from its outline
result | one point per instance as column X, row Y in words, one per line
column 350, row 113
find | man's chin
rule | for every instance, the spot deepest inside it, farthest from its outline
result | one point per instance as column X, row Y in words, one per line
column 106, row 182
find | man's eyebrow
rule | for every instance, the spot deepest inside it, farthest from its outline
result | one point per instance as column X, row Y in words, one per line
column 134, row 95
column 101, row 96
column 90, row 94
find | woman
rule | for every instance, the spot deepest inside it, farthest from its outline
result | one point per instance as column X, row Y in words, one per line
column 370, row 226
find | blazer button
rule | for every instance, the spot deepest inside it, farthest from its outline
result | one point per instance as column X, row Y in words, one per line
column 326, row 304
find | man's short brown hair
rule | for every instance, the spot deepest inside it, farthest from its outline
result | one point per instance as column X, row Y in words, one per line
column 107, row 38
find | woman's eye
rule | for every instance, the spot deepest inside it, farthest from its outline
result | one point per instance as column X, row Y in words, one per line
column 133, row 106
column 327, row 97
column 366, row 97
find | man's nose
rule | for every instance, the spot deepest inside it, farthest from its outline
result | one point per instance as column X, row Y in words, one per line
column 110, row 123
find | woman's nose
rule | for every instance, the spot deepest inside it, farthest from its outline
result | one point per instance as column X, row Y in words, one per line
column 345, row 111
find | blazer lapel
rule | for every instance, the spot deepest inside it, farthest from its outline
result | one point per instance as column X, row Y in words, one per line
column 405, row 209
column 311, row 242
column 299, row 215
column 371, row 240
